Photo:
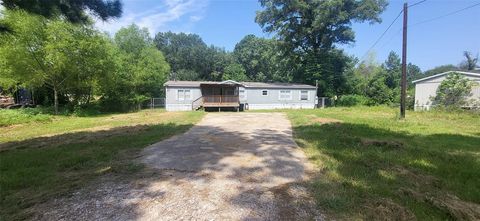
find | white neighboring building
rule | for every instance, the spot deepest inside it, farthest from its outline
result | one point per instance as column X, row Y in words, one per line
column 426, row 88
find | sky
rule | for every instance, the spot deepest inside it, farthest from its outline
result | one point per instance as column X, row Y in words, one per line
column 224, row 23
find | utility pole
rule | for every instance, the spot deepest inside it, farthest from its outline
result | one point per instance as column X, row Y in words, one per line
column 404, row 63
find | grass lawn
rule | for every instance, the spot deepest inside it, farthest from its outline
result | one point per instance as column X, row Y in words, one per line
column 376, row 167
column 52, row 155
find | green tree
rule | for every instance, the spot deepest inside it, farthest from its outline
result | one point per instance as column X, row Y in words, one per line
column 413, row 72
column 453, row 91
column 310, row 31
column 189, row 52
column 185, row 75
column 378, row 92
column 235, row 72
column 440, row 69
column 262, row 59
column 133, row 39
column 141, row 70
column 76, row 11
column 73, row 10
column 393, row 70
column 66, row 58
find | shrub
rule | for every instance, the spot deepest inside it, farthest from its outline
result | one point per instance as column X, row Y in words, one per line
column 352, row 100
column 453, row 91
column 20, row 116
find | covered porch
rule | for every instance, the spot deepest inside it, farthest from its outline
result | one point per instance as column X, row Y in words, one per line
column 223, row 94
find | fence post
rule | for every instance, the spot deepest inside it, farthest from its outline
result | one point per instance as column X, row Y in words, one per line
column 323, row 102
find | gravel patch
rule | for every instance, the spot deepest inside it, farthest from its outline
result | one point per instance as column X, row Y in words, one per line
column 230, row 166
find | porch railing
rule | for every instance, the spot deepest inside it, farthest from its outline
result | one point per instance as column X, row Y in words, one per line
column 220, row 99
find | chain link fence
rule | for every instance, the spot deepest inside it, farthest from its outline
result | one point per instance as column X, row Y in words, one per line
column 154, row 103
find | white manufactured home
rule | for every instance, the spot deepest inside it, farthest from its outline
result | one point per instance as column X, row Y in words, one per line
column 193, row 95
column 426, row 88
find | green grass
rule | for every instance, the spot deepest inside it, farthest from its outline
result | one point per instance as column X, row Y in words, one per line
column 41, row 160
column 21, row 116
column 374, row 166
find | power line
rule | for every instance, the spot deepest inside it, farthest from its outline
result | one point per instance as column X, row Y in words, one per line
column 446, row 15
column 381, row 36
column 420, row 2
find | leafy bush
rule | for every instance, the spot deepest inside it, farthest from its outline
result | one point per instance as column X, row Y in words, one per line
column 352, row 100
column 453, row 91
column 20, row 116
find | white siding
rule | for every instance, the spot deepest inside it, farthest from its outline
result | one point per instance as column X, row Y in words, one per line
column 425, row 90
column 175, row 103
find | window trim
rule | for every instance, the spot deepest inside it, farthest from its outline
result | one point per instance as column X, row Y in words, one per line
column 300, row 95
column 285, row 99
column 185, row 94
column 181, row 94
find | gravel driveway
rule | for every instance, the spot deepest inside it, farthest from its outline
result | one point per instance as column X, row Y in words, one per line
column 230, row 166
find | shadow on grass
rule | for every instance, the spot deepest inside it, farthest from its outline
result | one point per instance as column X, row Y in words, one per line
column 53, row 177
column 36, row 170
column 383, row 175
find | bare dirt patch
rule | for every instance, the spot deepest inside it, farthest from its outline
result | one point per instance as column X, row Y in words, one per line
column 321, row 120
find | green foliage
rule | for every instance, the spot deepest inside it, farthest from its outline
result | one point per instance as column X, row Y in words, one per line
column 185, row 75
column 453, row 91
column 352, row 100
column 188, row 52
column 235, row 72
column 439, row 70
column 309, row 32
column 73, row 10
column 65, row 57
column 22, row 116
column 393, row 70
column 262, row 60
column 76, row 63
column 140, row 71
column 378, row 92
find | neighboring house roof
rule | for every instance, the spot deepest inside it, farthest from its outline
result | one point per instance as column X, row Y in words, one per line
column 445, row 73
column 245, row 84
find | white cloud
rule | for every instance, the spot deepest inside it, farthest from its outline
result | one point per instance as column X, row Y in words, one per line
column 160, row 18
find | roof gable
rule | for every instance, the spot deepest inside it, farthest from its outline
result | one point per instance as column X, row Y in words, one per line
column 445, row 73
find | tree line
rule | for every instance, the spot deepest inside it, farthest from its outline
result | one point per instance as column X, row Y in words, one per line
column 72, row 64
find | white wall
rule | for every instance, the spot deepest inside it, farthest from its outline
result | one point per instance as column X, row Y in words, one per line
column 172, row 103
column 425, row 90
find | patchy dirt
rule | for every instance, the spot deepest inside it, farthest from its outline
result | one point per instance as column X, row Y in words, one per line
column 457, row 209
column 320, row 120
column 230, row 166
column 386, row 209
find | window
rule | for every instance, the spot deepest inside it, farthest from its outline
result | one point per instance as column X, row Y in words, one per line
column 304, row 95
column 183, row 95
column 264, row 92
column 285, row 95
column 242, row 94
column 187, row 95
column 180, row 95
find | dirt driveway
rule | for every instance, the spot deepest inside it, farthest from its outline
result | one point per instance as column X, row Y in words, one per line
column 230, row 166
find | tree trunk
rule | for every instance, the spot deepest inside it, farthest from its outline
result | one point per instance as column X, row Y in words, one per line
column 55, row 99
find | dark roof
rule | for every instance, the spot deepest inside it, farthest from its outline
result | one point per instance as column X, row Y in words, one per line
column 245, row 84
column 470, row 73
